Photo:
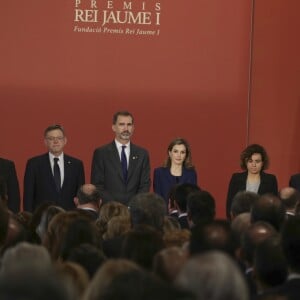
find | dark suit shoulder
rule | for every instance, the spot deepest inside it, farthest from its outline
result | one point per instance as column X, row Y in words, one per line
column 6, row 162
column 295, row 177
column 268, row 176
column 134, row 147
column 105, row 148
column 38, row 158
column 241, row 176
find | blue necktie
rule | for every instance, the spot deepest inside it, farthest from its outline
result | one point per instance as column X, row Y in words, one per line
column 56, row 173
column 124, row 163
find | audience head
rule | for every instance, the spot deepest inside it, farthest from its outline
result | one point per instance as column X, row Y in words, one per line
column 117, row 226
column 176, row 237
column 247, row 155
column 74, row 277
column 201, row 207
column 254, row 235
column 214, row 276
column 178, row 145
column 88, row 193
column 270, row 264
column 79, row 231
column 46, row 217
column 138, row 284
column 16, row 233
column 141, row 245
column 290, row 197
column 242, row 203
column 215, row 235
column 105, row 275
column 57, row 230
column 268, row 208
column 182, row 192
column 33, row 284
column 148, row 209
column 109, row 210
column 88, row 256
column 168, row 262
column 25, row 255
column 239, row 225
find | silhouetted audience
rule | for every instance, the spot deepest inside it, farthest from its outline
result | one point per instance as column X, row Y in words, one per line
column 270, row 265
column 141, row 245
column 242, row 203
column 215, row 235
column 168, row 262
column 268, row 208
column 290, row 197
column 181, row 194
column 201, row 208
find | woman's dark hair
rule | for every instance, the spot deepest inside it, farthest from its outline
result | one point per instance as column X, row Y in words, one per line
column 188, row 159
column 254, row 149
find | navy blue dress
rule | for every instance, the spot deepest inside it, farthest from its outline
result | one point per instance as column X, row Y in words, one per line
column 163, row 180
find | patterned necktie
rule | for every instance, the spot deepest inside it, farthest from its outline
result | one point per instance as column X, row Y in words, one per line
column 56, row 173
column 124, row 163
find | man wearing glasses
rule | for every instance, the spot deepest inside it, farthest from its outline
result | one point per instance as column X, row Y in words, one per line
column 52, row 177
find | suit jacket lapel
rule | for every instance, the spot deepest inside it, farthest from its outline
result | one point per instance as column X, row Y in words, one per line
column 48, row 171
column 114, row 158
column 67, row 170
column 133, row 160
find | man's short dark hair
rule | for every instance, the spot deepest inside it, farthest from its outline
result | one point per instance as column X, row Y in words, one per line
column 214, row 235
column 54, row 127
column 123, row 113
column 181, row 194
column 147, row 209
column 242, row 202
column 270, row 262
column 268, row 208
column 201, row 207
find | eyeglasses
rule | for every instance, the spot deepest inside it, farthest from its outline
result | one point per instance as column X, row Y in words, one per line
column 54, row 138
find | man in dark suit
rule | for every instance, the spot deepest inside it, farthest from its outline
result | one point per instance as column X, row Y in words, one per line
column 54, row 176
column 121, row 169
column 8, row 177
column 295, row 181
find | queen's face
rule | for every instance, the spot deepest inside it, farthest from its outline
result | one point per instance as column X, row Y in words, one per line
column 255, row 164
column 177, row 154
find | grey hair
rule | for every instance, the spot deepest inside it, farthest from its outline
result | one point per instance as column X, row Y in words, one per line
column 213, row 275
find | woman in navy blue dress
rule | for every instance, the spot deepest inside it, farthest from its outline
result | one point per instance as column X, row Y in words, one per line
column 177, row 169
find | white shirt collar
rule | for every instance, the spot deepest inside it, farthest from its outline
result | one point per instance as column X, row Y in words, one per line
column 61, row 156
column 119, row 145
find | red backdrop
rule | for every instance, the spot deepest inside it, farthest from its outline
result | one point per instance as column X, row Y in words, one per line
column 191, row 80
